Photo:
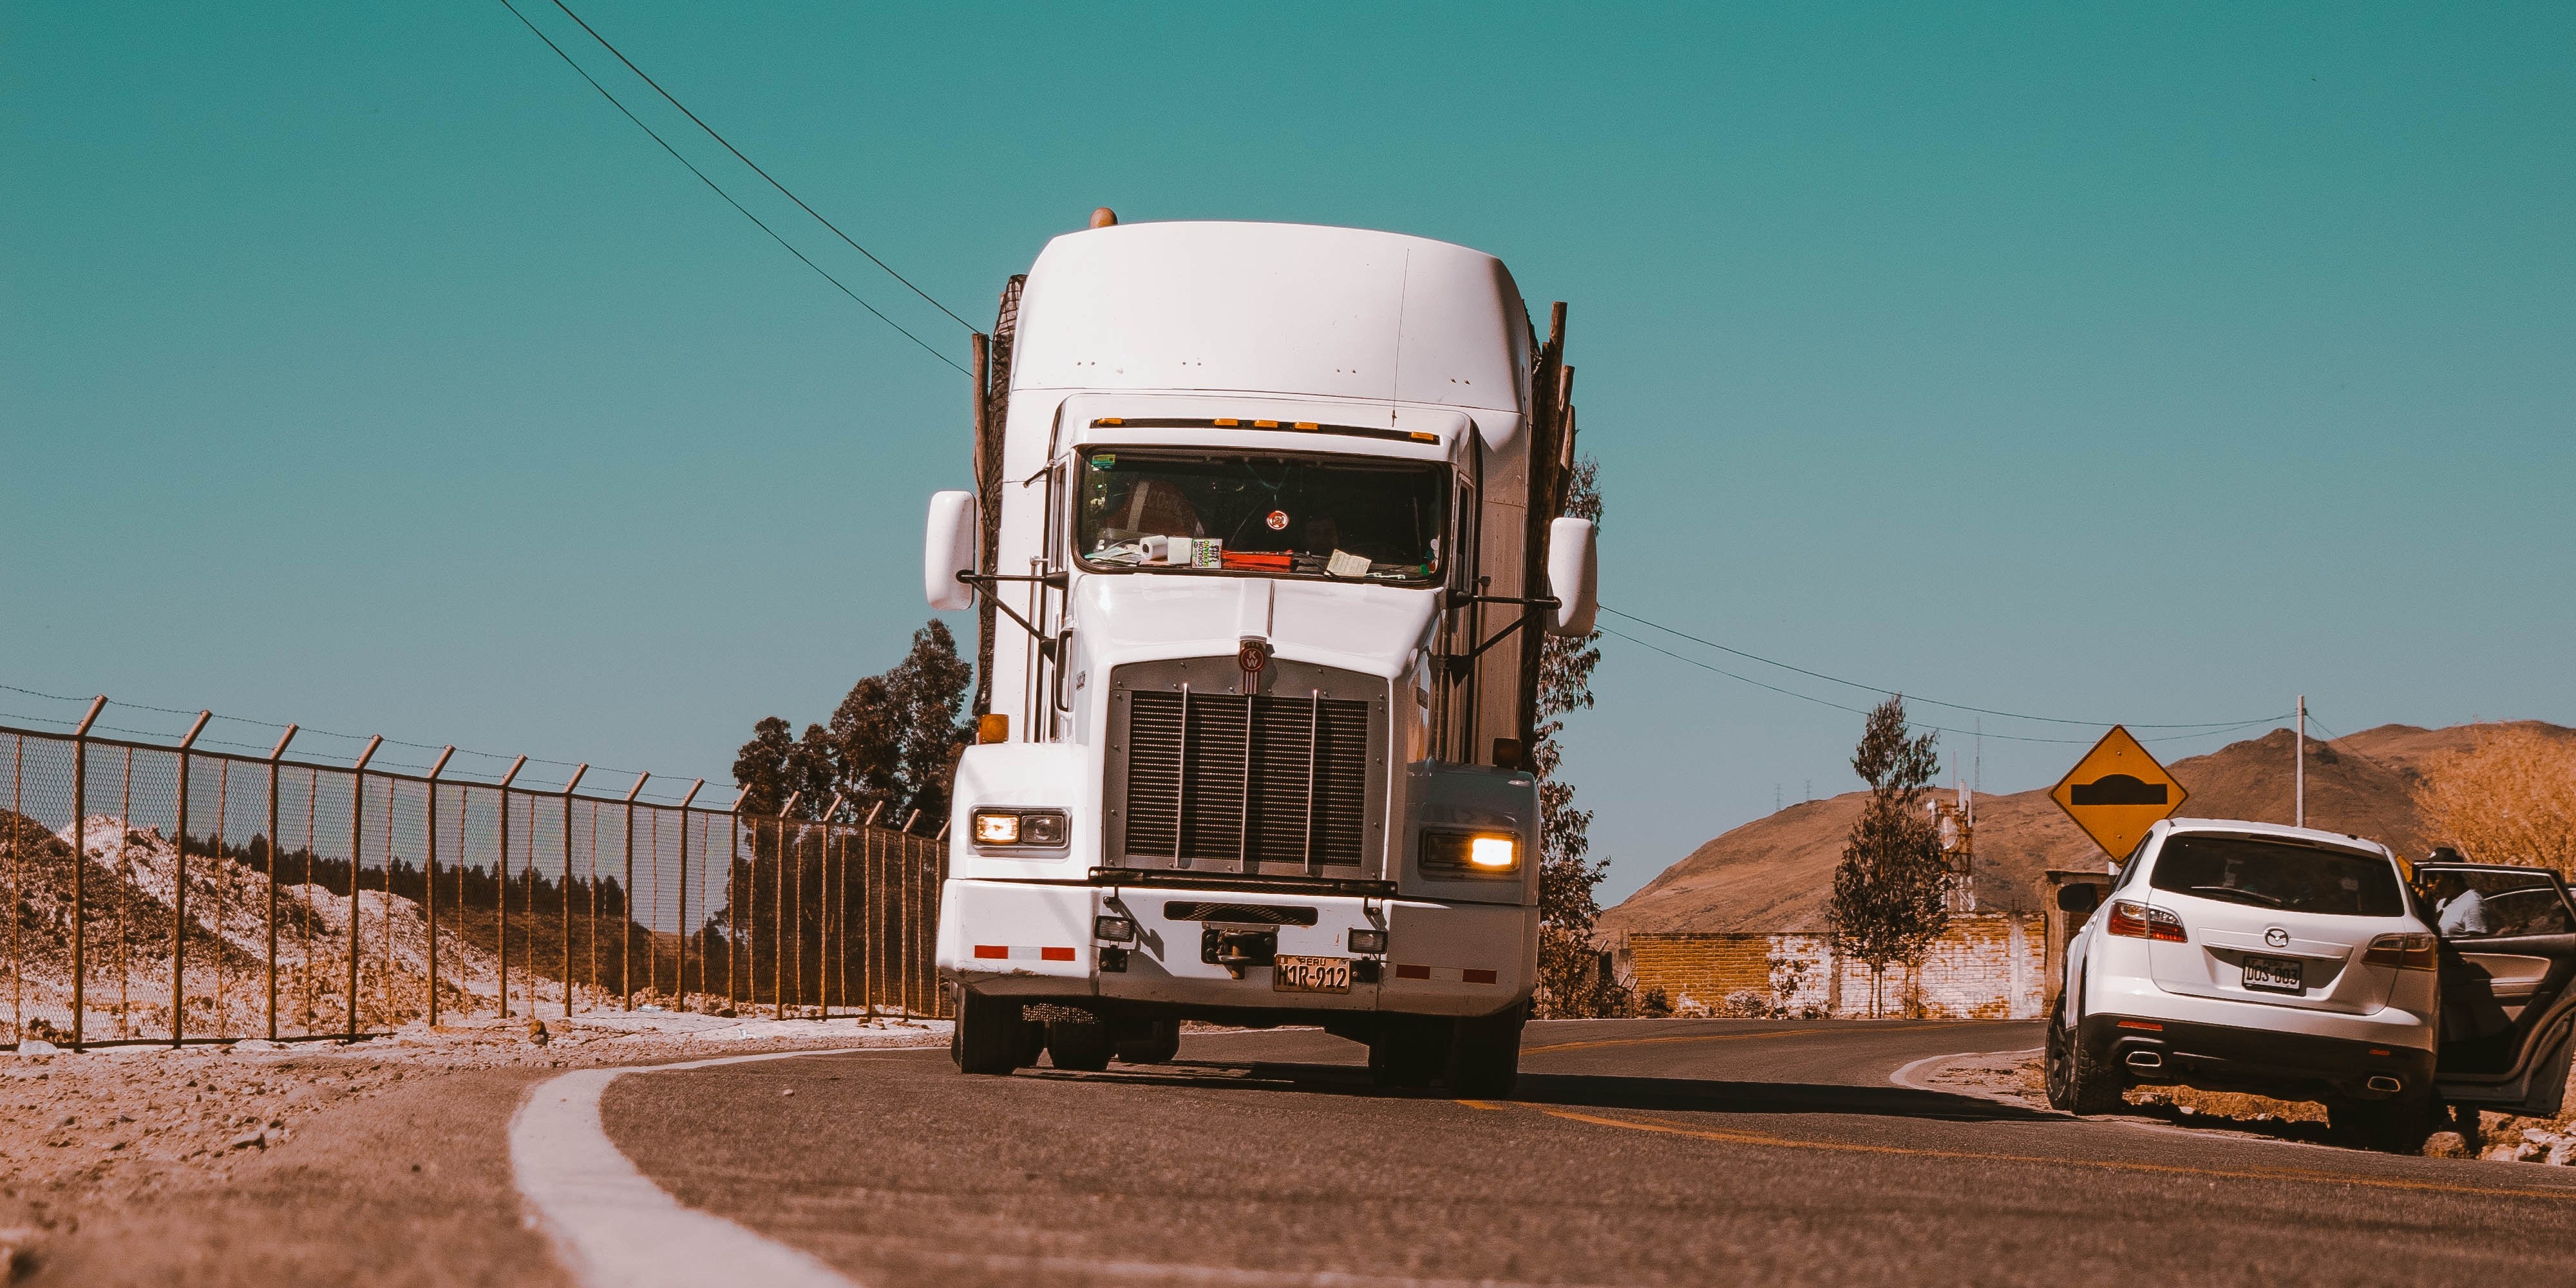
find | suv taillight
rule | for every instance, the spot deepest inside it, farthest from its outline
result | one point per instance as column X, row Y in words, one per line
column 2405, row 952
column 2138, row 921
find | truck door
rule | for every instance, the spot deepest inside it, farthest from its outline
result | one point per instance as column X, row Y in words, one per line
column 2508, row 957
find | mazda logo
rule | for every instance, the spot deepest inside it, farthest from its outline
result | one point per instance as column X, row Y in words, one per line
column 2277, row 937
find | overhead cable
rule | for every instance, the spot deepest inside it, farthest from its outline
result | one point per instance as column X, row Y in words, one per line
column 1929, row 702
column 728, row 197
column 1964, row 733
column 755, row 167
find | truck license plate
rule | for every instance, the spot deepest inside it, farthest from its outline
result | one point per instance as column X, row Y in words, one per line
column 2275, row 974
column 1310, row 975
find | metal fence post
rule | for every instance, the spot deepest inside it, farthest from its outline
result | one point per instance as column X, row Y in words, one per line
column 938, row 888
column 275, row 754
column 357, row 841
column 179, row 892
column 626, row 906
column 778, row 917
column 429, row 881
column 80, row 865
column 871, row 905
column 910, row 861
column 569, row 785
column 823, row 921
column 680, row 968
column 737, row 891
column 501, row 887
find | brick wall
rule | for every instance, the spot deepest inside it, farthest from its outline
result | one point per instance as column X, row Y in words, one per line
column 1985, row 966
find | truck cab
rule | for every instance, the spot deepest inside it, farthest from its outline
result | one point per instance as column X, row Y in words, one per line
column 1265, row 533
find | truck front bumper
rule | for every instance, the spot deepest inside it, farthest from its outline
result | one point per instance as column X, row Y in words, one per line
column 1034, row 941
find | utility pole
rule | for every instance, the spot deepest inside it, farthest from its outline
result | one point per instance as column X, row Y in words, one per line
column 2299, row 768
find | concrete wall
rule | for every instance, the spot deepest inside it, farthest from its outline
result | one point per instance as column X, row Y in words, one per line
column 1987, row 965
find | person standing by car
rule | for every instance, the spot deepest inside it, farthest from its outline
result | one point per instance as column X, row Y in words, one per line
column 2458, row 909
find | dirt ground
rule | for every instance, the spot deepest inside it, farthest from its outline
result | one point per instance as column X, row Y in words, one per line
column 2016, row 1076
column 111, row 1137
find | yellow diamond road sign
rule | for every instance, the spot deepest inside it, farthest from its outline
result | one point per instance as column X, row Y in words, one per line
column 2117, row 792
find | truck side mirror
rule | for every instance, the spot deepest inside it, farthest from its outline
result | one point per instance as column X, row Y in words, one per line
column 2079, row 898
column 1573, row 576
column 949, row 549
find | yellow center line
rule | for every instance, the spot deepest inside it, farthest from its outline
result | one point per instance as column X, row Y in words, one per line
column 2109, row 1165
column 1707, row 1037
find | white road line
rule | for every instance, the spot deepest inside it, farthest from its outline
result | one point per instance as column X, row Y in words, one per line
column 612, row 1227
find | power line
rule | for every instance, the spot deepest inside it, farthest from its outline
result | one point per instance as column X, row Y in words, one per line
column 755, row 167
column 1825, row 702
column 1929, row 702
column 728, row 197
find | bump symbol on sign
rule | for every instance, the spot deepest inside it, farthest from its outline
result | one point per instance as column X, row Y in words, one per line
column 2118, row 789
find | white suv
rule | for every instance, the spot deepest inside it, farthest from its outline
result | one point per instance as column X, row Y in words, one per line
column 2252, row 957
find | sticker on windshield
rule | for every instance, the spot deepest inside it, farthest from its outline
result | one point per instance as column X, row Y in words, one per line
column 1278, row 521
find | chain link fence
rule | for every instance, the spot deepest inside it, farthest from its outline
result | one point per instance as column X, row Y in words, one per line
column 165, row 889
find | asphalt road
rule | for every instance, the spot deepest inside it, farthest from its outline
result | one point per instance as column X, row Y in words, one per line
column 1635, row 1152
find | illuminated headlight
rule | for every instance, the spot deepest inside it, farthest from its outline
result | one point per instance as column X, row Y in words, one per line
column 1043, row 828
column 1470, row 854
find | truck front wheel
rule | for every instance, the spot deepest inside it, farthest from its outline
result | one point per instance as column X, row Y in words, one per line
column 987, row 1038
column 1080, row 1046
column 1159, row 1043
column 1408, row 1050
column 1485, row 1053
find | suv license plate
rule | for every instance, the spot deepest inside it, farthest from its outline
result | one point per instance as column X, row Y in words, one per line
column 2275, row 975
column 1310, row 975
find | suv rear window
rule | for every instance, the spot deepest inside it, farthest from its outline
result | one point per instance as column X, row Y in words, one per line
column 2279, row 874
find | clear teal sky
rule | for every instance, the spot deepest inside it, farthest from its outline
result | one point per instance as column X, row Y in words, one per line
column 359, row 366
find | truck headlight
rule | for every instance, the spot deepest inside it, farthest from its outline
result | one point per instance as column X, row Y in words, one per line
column 1472, row 854
column 1041, row 828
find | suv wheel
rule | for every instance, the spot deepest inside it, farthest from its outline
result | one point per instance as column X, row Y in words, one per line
column 2076, row 1082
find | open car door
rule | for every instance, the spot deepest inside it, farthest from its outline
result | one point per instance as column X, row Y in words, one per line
column 2508, row 958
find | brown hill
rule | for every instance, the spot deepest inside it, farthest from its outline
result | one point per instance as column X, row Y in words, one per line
column 1776, row 873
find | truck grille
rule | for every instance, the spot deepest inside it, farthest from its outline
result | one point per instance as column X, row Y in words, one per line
column 1272, row 778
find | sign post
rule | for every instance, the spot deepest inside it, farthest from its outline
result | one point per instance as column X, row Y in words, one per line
column 2116, row 792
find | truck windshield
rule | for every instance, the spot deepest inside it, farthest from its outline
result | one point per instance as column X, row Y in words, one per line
column 1340, row 517
column 2276, row 874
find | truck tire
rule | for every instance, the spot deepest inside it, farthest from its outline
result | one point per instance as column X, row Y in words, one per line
column 1408, row 1050
column 1485, row 1053
column 2077, row 1083
column 1156, row 1047
column 986, row 1039
column 1081, row 1046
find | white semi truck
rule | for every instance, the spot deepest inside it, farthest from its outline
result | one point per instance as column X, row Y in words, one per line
column 1264, row 536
